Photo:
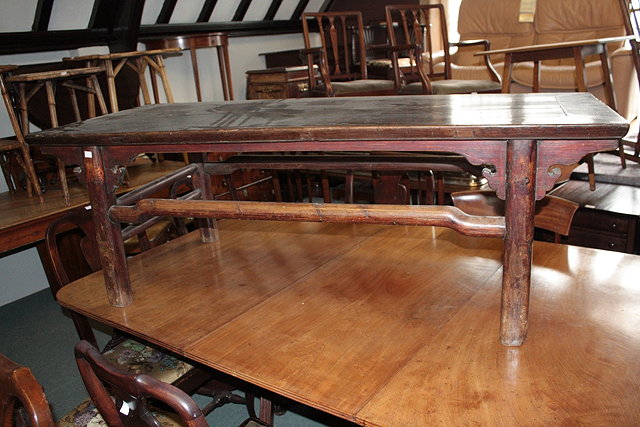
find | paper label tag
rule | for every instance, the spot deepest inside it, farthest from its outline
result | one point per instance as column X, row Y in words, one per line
column 124, row 409
column 88, row 155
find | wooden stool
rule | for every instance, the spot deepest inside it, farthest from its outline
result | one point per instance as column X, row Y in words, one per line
column 194, row 41
column 49, row 79
column 15, row 150
column 138, row 61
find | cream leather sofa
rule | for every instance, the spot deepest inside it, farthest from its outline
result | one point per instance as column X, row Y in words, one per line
column 555, row 21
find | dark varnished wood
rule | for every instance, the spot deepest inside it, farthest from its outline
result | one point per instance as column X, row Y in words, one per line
column 313, row 124
column 22, row 399
column 444, row 216
column 518, row 137
column 98, row 373
column 340, row 317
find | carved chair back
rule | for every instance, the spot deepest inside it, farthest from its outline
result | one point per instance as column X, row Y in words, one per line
column 131, row 392
column 22, row 399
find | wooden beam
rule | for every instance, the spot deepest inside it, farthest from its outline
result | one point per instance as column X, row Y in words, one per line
column 302, row 5
column 43, row 15
column 273, row 9
column 207, row 10
column 241, row 10
column 103, row 15
column 167, row 10
column 233, row 28
column 326, row 5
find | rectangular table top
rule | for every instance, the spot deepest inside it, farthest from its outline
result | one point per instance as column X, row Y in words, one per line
column 300, row 124
column 390, row 325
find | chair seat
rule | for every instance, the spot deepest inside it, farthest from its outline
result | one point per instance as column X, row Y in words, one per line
column 86, row 414
column 355, row 87
column 448, row 87
column 136, row 358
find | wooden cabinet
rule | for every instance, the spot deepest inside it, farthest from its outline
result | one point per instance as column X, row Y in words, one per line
column 607, row 218
column 276, row 83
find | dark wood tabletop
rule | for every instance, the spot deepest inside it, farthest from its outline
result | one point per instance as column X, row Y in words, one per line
column 340, row 317
column 298, row 124
column 517, row 138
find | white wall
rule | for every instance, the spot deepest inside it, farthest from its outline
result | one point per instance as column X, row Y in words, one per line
column 21, row 273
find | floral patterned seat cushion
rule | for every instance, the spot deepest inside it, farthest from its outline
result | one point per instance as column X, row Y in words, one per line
column 136, row 358
column 87, row 415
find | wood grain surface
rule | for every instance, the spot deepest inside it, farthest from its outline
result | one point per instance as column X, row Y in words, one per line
column 390, row 325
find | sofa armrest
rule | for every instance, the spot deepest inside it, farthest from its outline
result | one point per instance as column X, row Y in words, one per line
column 486, row 44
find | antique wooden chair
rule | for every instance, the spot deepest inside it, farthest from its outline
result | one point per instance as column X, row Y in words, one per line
column 132, row 394
column 22, row 399
column 417, row 33
column 125, row 399
column 141, row 356
column 341, row 57
column 75, row 235
column 552, row 213
column 25, row 85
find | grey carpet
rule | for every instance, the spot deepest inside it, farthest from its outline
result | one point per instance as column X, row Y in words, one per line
column 608, row 170
column 35, row 332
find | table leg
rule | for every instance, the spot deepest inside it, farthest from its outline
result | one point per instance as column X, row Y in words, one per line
column 196, row 72
column 608, row 78
column 208, row 226
column 519, row 212
column 506, row 74
column 536, row 76
column 225, row 72
column 580, row 70
column 108, row 234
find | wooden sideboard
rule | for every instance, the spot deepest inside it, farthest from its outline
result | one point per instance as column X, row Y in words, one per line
column 277, row 83
column 607, row 218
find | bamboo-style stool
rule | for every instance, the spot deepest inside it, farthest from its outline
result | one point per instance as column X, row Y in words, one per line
column 192, row 42
column 71, row 79
column 139, row 61
column 15, row 150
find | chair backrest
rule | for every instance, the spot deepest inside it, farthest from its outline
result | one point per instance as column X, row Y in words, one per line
column 552, row 213
column 73, row 235
column 342, row 42
column 425, row 27
column 22, row 399
column 130, row 392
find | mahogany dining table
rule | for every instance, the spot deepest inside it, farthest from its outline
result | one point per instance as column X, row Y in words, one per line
column 519, row 139
column 388, row 325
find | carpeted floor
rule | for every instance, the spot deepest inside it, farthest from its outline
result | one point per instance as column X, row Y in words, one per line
column 35, row 332
column 609, row 170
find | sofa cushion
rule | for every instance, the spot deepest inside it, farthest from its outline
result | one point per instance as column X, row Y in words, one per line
column 561, row 77
column 494, row 20
column 568, row 20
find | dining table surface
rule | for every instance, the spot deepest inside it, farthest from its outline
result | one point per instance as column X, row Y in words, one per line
column 390, row 325
column 519, row 140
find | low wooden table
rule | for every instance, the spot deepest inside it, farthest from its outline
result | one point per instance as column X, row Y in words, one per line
column 518, row 138
column 341, row 318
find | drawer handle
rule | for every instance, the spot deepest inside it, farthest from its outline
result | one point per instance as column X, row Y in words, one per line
column 266, row 89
